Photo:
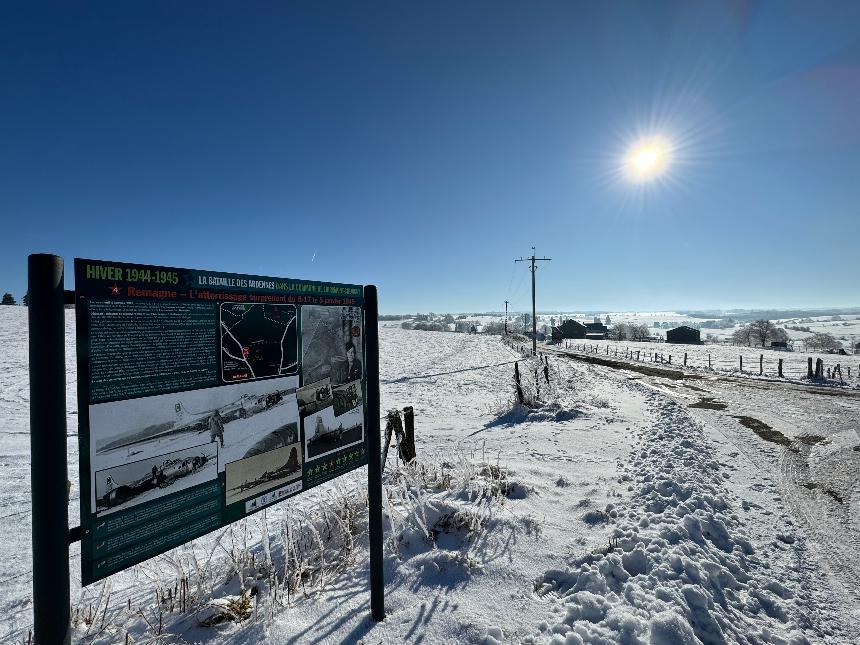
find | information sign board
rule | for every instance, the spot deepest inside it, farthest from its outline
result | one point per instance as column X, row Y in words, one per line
column 204, row 397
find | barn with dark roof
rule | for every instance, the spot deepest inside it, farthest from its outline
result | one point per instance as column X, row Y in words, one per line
column 684, row 335
column 568, row 329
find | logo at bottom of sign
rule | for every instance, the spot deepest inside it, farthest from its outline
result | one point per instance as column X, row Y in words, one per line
column 272, row 496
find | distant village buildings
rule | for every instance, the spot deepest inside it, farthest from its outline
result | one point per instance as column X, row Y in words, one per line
column 572, row 329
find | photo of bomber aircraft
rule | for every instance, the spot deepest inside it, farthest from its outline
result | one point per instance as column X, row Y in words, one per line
column 198, row 421
column 129, row 485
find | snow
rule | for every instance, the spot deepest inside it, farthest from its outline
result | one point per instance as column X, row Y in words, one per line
column 610, row 512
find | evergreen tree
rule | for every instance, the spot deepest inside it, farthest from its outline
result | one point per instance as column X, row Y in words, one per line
column 26, row 299
column 8, row 299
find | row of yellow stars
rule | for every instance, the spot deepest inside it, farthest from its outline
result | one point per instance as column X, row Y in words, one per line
column 336, row 462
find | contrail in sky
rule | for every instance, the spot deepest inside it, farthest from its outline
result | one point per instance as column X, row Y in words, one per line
column 314, row 255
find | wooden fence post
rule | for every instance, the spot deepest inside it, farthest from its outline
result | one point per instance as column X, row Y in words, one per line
column 780, row 368
column 685, row 359
column 407, row 445
column 819, row 369
column 709, row 361
column 520, row 398
column 809, row 368
column 760, row 364
column 393, row 426
column 741, row 358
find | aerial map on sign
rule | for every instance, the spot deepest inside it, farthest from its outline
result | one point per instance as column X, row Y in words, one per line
column 257, row 341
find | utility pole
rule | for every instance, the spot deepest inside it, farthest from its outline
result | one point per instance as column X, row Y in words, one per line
column 533, row 268
column 506, row 317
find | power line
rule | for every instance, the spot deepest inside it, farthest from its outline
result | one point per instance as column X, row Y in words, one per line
column 514, row 295
column 532, row 259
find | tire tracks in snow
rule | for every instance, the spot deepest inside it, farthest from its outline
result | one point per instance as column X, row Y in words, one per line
column 826, row 542
column 818, row 547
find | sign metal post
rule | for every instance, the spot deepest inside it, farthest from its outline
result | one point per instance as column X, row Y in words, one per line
column 48, row 472
column 374, row 462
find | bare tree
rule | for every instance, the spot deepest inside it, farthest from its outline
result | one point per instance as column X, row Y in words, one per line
column 780, row 335
column 761, row 331
column 639, row 332
column 621, row 331
column 823, row 342
column 497, row 328
column 742, row 335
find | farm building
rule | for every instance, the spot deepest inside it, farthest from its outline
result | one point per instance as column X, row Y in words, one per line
column 568, row 329
column 779, row 344
column 596, row 331
column 685, row 335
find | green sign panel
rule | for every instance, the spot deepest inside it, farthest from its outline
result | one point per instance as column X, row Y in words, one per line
column 204, row 397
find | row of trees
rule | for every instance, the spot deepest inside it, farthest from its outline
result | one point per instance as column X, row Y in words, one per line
column 762, row 332
column 821, row 342
column 9, row 299
column 759, row 333
column 629, row 331
column 461, row 326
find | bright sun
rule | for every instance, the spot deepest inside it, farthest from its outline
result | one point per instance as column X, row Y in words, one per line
column 647, row 159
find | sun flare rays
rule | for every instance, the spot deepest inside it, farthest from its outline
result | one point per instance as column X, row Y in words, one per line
column 648, row 158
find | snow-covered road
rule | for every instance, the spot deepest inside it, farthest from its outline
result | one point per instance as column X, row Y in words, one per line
column 807, row 442
column 793, row 453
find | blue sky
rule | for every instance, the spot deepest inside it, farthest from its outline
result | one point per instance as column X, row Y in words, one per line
column 424, row 146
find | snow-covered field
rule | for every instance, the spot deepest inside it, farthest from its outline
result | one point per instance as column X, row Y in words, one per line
column 610, row 512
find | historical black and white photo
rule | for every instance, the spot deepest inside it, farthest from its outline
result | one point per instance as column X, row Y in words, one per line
column 347, row 397
column 240, row 419
column 315, row 396
column 326, row 433
column 130, row 484
column 251, row 476
column 331, row 344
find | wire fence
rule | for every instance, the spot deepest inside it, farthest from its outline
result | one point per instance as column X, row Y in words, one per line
column 729, row 360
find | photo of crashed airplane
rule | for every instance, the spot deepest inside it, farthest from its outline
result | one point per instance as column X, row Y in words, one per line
column 141, row 481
